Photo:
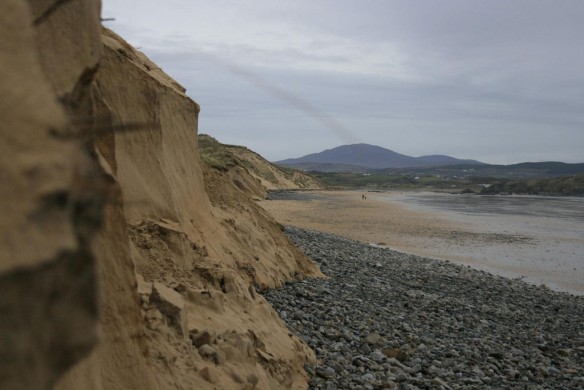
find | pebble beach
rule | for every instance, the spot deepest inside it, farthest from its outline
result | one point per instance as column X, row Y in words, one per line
column 385, row 319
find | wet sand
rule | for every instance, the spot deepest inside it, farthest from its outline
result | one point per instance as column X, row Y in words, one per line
column 539, row 249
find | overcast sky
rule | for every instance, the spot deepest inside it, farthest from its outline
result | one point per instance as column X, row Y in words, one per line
column 500, row 81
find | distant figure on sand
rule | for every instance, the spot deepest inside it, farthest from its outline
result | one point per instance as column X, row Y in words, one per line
column 363, row 196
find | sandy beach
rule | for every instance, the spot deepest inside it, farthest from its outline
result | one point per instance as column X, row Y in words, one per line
column 513, row 246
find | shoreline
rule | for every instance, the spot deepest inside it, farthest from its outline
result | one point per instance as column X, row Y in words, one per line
column 478, row 242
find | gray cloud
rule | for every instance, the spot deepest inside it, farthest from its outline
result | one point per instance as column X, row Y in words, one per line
column 496, row 81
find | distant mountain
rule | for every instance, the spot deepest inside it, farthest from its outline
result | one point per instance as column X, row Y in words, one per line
column 352, row 158
column 552, row 168
column 326, row 167
column 438, row 160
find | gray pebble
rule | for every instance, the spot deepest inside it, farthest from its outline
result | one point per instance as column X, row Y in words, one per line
column 325, row 372
column 424, row 323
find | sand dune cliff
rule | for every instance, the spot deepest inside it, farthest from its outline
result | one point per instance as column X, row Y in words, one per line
column 121, row 265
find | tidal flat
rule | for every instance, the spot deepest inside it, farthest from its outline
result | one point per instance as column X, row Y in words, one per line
column 537, row 239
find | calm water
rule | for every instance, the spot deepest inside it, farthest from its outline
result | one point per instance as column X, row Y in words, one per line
column 551, row 250
column 554, row 207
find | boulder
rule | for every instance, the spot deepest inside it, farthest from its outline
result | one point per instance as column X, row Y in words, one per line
column 171, row 304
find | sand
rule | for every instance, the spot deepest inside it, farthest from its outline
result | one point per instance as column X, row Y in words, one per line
column 511, row 248
column 125, row 262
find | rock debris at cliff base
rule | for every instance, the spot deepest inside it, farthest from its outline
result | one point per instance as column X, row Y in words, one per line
column 385, row 319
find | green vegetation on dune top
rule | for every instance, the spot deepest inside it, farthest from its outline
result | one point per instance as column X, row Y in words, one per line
column 215, row 154
column 223, row 157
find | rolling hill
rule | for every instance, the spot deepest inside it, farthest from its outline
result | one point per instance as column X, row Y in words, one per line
column 359, row 157
column 563, row 185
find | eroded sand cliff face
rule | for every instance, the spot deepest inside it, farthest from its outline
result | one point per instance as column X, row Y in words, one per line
column 250, row 172
column 120, row 266
column 48, row 305
column 274, row 177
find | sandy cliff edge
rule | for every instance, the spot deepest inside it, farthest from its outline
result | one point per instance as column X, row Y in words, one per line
column 104, row 188
column 48, row 303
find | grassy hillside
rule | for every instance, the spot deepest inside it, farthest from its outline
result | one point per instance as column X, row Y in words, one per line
column 215, row 154
column 224, row 157
column 565, row 185
column 398, row 181
column 551, row 168
column 572, row 185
